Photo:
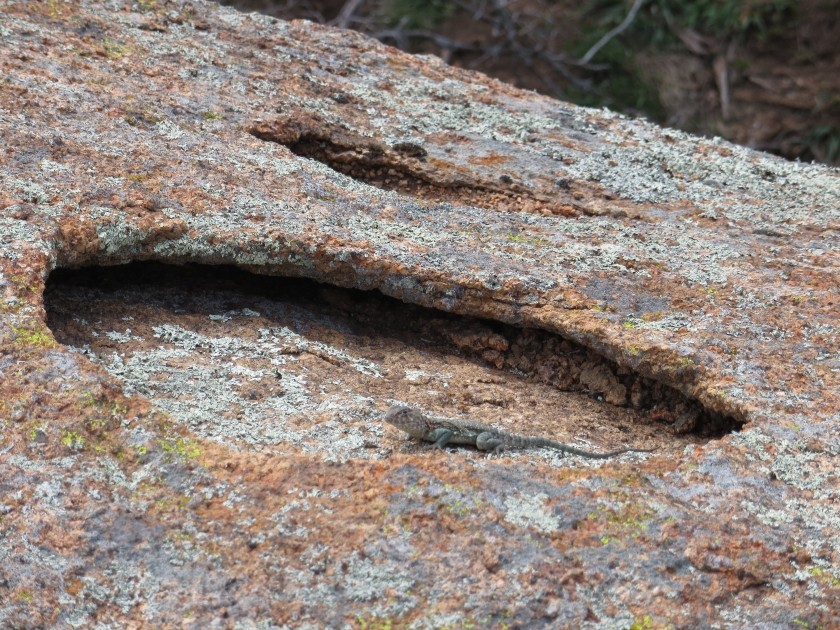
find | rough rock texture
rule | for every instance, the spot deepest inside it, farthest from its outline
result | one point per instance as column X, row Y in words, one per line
column 693, row 282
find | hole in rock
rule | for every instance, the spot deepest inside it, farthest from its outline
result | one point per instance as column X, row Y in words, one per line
column 293, row 365
column 403, row 167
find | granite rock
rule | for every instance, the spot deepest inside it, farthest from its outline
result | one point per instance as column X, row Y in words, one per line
column 197, row 446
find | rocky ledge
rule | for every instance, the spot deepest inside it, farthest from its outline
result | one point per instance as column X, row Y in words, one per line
column 228, row 244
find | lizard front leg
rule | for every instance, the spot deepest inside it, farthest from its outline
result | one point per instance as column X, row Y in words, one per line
column 440, row 436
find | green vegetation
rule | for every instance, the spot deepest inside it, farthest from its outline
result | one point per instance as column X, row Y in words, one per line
column 31, row 337
column 73, row 440
column 631, row 521
column 113, row 49
column 659, row 22
column 138, row 117
column 54, row 9
column 621, row 90
column 184, row 448
column 417, row 14
column 724, row 19
column 824, row 576
column 172, row 503
column 23, row 283
column 458, row 507
column 518, row 238
column 374, row 624
column 97, row 425
column 88, row 399
column 642, row 623
column 662, row 25
column 822, row 143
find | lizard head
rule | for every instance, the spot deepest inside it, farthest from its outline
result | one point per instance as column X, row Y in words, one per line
column 407, row 419
column 397, row 415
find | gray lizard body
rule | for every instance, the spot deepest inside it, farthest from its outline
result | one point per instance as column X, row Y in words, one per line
column 483, row 436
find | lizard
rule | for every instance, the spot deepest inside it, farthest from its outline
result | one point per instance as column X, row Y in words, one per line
column 483, row 436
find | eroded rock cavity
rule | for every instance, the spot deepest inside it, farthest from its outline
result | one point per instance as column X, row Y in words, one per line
column 290, row 364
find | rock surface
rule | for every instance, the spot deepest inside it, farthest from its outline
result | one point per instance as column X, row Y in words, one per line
column 200, row 449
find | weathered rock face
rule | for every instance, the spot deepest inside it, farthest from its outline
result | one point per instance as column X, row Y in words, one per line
column 188, row 447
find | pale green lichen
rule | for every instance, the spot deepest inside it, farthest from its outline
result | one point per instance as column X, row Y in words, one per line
column 530, row 511
column 73, row 440
column 29, row 337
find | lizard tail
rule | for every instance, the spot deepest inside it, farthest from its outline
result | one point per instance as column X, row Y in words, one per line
column 589, row 454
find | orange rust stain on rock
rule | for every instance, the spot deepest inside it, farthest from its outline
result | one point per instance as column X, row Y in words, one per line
column 493, row 159
column 78, row 239
column 165, row 230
